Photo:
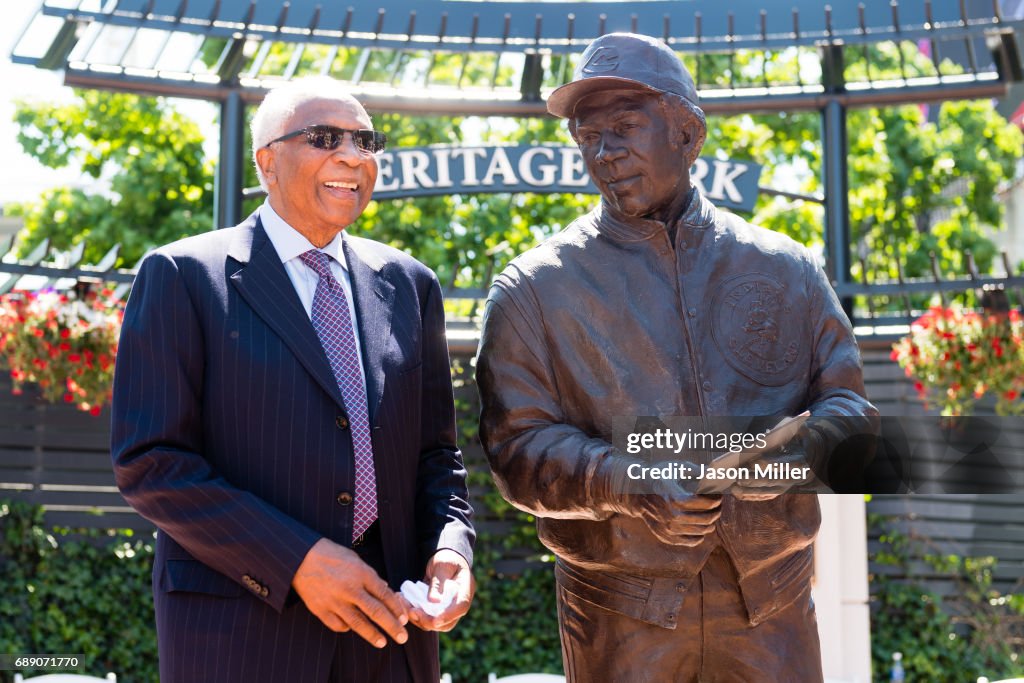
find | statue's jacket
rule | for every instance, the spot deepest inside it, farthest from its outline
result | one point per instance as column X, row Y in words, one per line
column 608, row 320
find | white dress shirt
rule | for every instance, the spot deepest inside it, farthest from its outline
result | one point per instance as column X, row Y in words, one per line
column 290, row 244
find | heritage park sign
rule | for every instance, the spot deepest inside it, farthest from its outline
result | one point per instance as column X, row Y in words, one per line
column 485, row 169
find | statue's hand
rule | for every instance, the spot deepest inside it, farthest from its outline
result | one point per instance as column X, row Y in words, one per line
column 673, row 514
column 793, row 454
column 676, row 516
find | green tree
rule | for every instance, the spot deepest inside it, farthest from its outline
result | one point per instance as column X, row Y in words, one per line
column 160, row 180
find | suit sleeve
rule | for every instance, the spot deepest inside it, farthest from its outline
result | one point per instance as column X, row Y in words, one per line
column 443, row 511
column 541, row 464
column 157, row 443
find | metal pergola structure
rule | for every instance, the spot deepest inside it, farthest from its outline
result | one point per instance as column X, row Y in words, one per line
column 472, row 57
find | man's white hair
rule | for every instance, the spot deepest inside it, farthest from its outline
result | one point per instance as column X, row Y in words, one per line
column 271, row 117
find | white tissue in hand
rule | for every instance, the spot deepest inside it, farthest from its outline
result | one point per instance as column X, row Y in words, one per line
column 416, row 594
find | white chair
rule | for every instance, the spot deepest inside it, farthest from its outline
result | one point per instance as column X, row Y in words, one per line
column 526, row 678
column 65, row 678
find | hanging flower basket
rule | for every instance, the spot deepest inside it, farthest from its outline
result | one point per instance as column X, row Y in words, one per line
column 65, row 343
column 956, row 357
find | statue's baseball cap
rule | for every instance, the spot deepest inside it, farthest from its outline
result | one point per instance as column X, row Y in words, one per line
column 624, row 61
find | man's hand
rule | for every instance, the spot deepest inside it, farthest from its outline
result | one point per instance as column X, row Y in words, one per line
column 346, row 594
column 676, row 516
column 445, row 565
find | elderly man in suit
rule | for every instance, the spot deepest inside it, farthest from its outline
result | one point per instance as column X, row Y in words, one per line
column 657, row 304
column 283, row 413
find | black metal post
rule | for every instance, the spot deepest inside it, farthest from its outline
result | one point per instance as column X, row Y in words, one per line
column 230, row 177
column 837, row 205
column 836, row 178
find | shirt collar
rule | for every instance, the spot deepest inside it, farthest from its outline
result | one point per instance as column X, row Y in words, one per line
column 290, row 243
column 698, row 214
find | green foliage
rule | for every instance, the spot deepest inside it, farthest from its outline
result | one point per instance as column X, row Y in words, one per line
column 160, row 181
column 512, row 627
column 977, row 633
column 914, row 189
column 86, row 592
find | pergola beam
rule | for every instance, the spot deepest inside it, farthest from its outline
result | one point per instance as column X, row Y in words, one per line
column 711, row 102
column 585, row 23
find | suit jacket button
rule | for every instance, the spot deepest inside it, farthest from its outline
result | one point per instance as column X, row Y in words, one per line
column 344, row 498
column 342, row 422
column 264, row 592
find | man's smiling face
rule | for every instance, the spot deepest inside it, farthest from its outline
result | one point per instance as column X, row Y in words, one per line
column 320, row 192
column 627, row 145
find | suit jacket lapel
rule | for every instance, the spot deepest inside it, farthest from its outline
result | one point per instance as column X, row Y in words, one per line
column 374, row 302
column 264, row 284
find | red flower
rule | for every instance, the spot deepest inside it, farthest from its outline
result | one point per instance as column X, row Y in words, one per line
column 74, row 357
column 95, row 411
column 1011, row 395
column 69, row 397
column 38, row 332
column 65, row 333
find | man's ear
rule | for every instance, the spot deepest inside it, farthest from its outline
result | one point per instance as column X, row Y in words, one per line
column 688, row 134
column 267, row 162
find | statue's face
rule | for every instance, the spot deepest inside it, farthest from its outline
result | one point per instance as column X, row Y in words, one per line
column 627, row 144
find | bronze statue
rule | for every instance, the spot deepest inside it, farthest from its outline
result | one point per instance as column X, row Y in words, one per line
column 657, row 304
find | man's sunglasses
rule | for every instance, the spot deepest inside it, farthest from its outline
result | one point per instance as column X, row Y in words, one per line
column 329, row 137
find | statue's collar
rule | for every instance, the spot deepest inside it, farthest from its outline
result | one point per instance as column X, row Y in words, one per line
column 699, row 214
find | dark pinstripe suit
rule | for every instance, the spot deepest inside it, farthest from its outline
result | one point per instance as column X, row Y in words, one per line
column 227, row 435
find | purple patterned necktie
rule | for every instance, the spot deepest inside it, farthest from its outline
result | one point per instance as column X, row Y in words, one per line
column 333, row 325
